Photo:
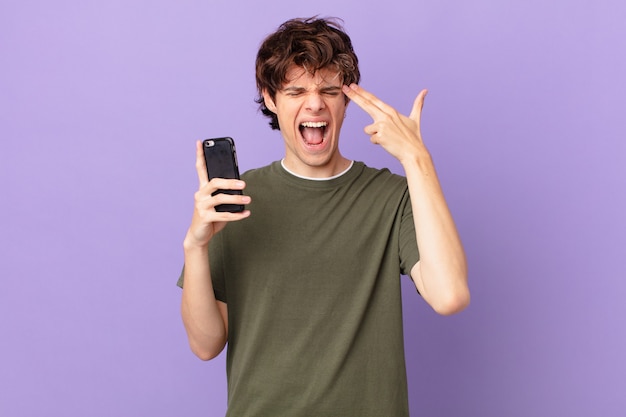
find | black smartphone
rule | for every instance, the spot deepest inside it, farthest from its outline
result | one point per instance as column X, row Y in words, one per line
column 221, row 162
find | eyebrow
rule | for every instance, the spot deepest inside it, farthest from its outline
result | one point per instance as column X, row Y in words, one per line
column 332, row 88
column 328, row 88
column 293, row 88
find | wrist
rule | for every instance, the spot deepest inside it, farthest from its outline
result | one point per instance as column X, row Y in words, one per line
column 191, row 244
column 420, row 162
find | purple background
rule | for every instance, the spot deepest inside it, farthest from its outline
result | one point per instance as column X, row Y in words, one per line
column 100, row 105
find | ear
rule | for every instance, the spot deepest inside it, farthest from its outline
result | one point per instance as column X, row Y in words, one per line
column 269, row 103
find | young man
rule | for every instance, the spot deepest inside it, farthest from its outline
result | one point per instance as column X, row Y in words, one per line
column 305, row 285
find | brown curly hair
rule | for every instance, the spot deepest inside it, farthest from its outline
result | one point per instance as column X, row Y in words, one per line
column 312, row 43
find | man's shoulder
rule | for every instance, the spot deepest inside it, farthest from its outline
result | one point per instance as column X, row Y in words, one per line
column 385, row 172
column 259, row 173
column 382, row 175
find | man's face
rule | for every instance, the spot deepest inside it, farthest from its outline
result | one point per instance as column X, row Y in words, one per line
column 310, row 110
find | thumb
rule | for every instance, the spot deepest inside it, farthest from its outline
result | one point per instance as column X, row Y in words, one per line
column 418, row 104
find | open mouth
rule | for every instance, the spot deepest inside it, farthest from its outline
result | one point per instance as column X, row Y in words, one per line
column 313, row 133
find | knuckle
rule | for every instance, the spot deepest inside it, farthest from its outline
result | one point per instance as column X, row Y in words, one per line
column 221, row 198
column 216, row 183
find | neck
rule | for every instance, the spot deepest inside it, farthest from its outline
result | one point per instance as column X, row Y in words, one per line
column 350, row 163
column 328, row 170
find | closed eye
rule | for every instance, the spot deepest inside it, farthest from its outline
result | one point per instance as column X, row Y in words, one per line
column 327, row 91
column 293, row 91
column 331, row 91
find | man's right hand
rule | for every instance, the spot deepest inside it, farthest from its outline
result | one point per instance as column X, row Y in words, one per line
column 206, row 221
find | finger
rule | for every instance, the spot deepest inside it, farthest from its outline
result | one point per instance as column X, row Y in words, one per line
column 371, row 98
column 205, row 203
column 236, row 199
column 208, row 191
column 215, row 217
column 226, row 216
column 366, row 100
column 418, row 104
column 371, row 129
column 203, row 176
column 227, row 184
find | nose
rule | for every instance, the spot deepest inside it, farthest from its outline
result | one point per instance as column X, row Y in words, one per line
column 314, row 102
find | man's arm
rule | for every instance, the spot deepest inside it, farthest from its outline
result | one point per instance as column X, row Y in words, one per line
column 204, row 317
column 441, row 273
